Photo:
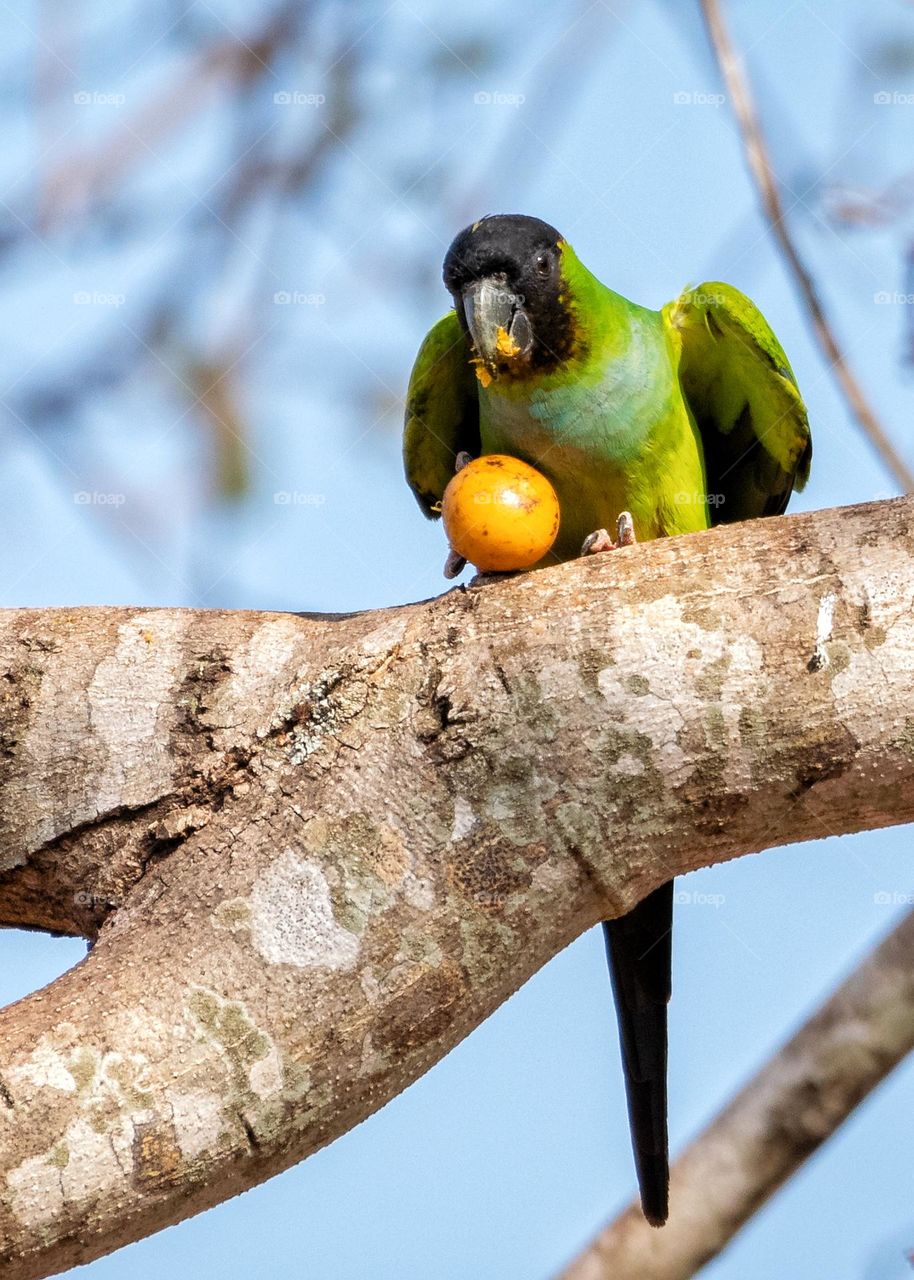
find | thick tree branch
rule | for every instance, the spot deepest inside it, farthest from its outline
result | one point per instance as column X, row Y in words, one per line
column 316, row 852
column 772, row 1126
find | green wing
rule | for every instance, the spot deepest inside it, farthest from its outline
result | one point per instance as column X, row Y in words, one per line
column 744, row 397
column 442, row 412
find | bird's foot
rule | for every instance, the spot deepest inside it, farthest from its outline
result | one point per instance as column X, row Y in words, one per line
column 600, row 540
column 463, row 459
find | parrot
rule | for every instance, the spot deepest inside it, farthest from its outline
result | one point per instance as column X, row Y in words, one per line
column 651, row 423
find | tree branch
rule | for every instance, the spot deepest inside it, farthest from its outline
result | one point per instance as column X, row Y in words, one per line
column 316, row 852
column 772, row 1126
column 734, row 75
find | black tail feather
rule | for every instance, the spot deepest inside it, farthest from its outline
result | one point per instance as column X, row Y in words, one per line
column 638, row 947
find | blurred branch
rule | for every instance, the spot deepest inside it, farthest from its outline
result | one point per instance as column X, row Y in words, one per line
column 734, row 75
column 285, row 175
column 216, row 399
column 772, row 1126
column 867, row 208
column 230, row 62
column 186, row 326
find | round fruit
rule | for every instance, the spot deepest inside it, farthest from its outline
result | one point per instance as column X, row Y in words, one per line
column 500, row 514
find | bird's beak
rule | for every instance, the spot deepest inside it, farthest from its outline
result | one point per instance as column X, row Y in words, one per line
column 499, row 326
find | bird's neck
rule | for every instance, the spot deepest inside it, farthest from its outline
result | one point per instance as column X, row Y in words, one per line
column 603, row 320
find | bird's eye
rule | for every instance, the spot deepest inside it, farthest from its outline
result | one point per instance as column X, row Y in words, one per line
column 543, row 263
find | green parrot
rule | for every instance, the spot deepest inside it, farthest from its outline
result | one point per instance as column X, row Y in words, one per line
column 651, row 422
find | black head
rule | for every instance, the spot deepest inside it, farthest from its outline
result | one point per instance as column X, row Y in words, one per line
column 505, row 276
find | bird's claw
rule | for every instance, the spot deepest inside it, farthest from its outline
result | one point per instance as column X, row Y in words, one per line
column 625, row 530
column 601, row 541
column 454, row 565
column 597, row 541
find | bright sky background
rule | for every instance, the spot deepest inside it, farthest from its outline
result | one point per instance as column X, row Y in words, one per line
column 509, row 1154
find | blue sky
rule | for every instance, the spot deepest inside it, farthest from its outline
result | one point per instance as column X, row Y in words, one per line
column 514, row 1149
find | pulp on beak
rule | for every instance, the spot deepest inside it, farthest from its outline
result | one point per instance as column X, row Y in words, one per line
column 498, row 324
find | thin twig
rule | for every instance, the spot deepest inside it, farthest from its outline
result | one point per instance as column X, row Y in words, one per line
column 733, row 71
column 772, row 1126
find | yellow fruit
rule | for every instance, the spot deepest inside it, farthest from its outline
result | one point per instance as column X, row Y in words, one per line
column 500, row 514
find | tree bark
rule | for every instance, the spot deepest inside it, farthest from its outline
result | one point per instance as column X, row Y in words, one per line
column 314, row 853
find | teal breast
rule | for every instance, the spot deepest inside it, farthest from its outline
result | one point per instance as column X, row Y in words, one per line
column 588, row 433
